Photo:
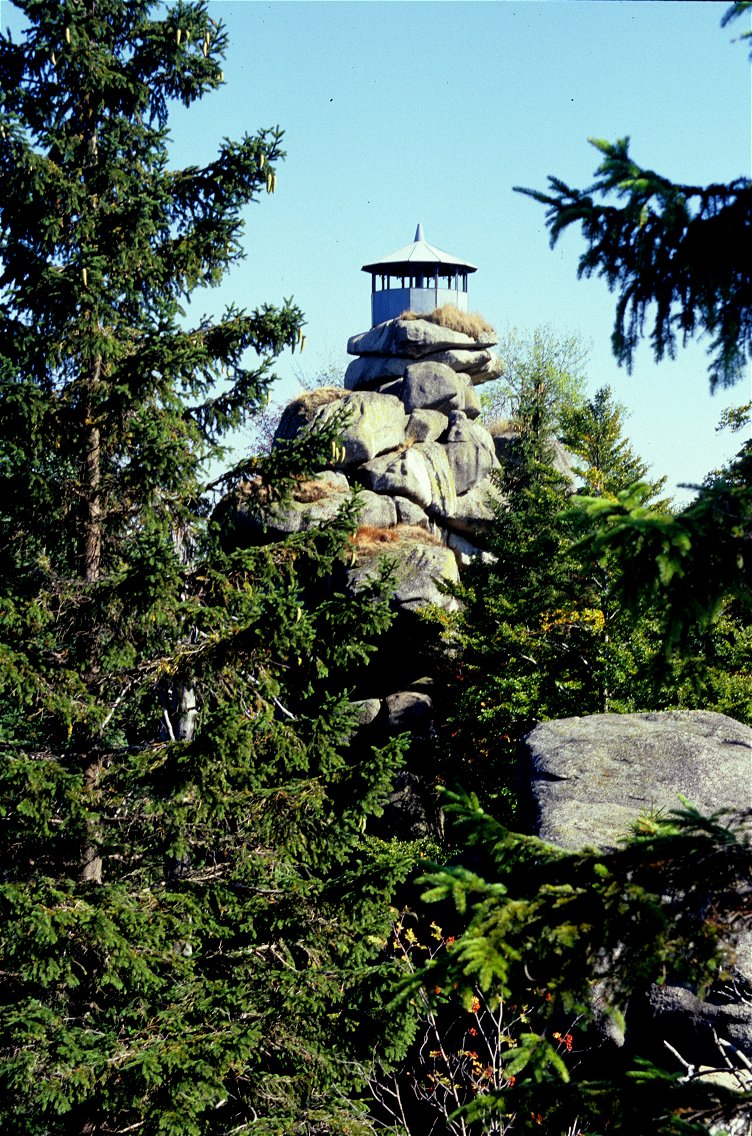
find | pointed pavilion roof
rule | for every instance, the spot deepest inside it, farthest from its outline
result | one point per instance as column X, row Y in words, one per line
column 418, row 253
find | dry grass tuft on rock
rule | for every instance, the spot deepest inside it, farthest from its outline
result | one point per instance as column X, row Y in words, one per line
column 418, row 535
column 308, row 491
column 371, row 534
column 320, row 396
column 371, row 538
column 469, row 323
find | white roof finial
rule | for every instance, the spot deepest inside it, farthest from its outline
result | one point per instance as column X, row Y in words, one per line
column 419, row 233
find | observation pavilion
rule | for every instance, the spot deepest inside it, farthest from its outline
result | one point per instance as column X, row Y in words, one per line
column 419, row 278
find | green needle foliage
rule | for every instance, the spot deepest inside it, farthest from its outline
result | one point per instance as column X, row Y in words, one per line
column 694, row 565
column 562, row 942
column 679, row 251
column 541, row 634
column 678, row 254
column 593, row 432
column 190, row 902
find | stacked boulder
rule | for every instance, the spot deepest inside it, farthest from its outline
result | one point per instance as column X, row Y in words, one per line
column 413, row 447
column 412, row 441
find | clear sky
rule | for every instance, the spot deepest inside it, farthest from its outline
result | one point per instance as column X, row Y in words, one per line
column 398, row 112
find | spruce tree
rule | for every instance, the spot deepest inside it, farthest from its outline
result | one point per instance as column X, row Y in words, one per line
column 678, row 255
column 544, row 928
column 190, row 902
column 593, row 432
column 551, row 946
column 674, row 253
column 541, row 633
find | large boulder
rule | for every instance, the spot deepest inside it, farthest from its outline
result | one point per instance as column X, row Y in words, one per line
column 314, row 501
column 409, row 711
column 421, row 571
column 480, row 364
column 420, row 565
column 408, row 513
column 586, row 780
column 369, row 371
column 561, row 460
column 467, row 360
column 443, row 493
column 365, row 712
column 303, row 409
column 493, row 369
column 508, row 446
column 470, row 450
column 376, row 509
column 432, row 386
column 426, row 425
column 474, row 511
column 420, row 473
column 411, row 338
column 375, row 424
column 404, row 473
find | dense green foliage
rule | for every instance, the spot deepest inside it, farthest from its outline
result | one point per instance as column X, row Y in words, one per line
column 189, row 902
column 540, row 635
column 555, row 944
column 696, row 563
column 193, row 910
column 593, row 433
column 680, row 250
column 551, row 364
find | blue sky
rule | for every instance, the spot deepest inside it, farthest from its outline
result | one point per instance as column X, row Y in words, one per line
column 398, row 112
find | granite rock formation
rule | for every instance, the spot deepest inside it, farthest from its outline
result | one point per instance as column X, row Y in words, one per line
column 422, row 465
column 585, row 781
column 411, row 442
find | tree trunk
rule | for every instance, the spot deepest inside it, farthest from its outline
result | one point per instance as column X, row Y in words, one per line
column 187, row 715
column 91, row 860
column 92, row 555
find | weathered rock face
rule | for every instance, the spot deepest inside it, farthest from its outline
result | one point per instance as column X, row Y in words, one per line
column 426, row 426
column 411, row 435
column 387, row 351
column 691, row 1024
column 422, row 564
column 404, row 473
column 473, row 511
column 412, row 339
column 302, row 410
column 432, row 386
column 375, row 424
column 411, row 444
column 316, row 500
column 588, row 779
column 470, row 450
column 377, row 510
column 371, row 371
column 424, row 468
